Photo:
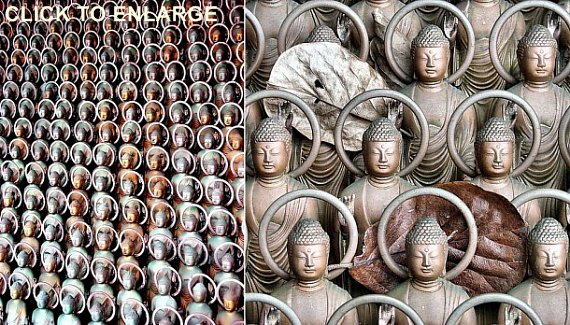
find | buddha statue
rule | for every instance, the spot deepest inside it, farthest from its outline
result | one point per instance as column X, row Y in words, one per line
column 367, row 196
column 537, row 52
column 271, row 145
column 430, row 52
column 309, row 294
column 494, row 147
column 427, row 290
column 547, row 292
column 481, row 74
column 16, row 310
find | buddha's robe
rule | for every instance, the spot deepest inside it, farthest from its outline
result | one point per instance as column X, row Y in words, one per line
column 435, row 306
column 313, row 307
column 259, row 277
column 481, row 74
column 548, row 169
column 437, row 166
column 370, row 201
column 511, row 188
column 542, row 302
column 16, row 313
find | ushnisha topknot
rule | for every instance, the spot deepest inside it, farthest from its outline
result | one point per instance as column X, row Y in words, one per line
column 426, row 231
column 496, row 129
column 548, row 231
column 382, row 130
column 536, row 36
column 271, row 129
column 429, row 36
column 308, row 232
column 322, row 33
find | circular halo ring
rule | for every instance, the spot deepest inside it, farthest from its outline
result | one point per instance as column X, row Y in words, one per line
column 260, row 37
column 308, row 193
column 492, row 297
column 293, row 15
column 375, row 299
column 313, row 121
column 470, row 220
column 493, row 40
column 386, row 93
column 389, row 38
column 270, row 300
column 494, row 93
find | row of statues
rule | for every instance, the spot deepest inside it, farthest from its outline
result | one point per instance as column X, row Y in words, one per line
column 389, row 99
column 123, row 168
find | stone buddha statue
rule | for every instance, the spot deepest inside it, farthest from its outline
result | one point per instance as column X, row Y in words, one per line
column 368, row 196
column 494, row 146
column 537, row 52
column 481, row 74
column 309, row 294
column 430, row 52
column 427, row 290
column 547, row 292
column 271, row 145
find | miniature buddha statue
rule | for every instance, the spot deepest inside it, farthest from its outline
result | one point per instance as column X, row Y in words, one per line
column 16, row 311
column 427, row 292
column 368, row 196
column 437, row 99
column 309, row 294
column 271, row 145
column 481, row 74
column 494, row 146
column 547, row 292
column 537, row 58
column 199, row 305
column 229, row 298
column 43, row 315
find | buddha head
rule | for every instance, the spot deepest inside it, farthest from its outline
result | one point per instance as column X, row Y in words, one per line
column 308, row 250
column 494, row 148
column 430, row 54
column 271, row 147
column 164, row 284
column 548, row 249
column 42, row 299
column 381, row 148
column 199, row 292
column 536, row 53
column 426, row 250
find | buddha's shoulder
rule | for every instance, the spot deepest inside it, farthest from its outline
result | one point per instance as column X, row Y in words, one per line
column 521, row 291
column 355, row 188
column 459, row 291
column 341, row 294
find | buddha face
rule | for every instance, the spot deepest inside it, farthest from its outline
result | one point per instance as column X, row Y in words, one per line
column 537, row 63
column 548, row 262
column 430, row 63
column 381, row 158
column 426, row 262
column 308, row 262
column 495, row 159
column 270, row 158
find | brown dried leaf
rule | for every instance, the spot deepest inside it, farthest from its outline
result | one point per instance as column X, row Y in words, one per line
column 500, row 260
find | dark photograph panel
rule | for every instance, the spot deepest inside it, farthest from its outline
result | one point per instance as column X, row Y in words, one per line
column 122, row 162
